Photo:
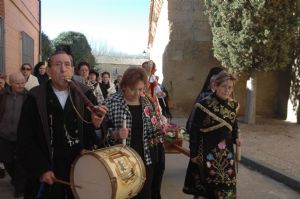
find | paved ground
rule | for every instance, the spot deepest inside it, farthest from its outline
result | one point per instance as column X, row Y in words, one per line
column 251, row 185
column 272, row 143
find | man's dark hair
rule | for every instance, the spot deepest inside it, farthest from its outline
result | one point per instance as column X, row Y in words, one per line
column 61, row 49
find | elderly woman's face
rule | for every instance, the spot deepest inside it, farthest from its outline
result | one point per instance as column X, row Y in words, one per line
column 133, row 93
column 84, row 71
column 224, row 90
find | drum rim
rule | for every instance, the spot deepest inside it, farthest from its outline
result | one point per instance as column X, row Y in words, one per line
column 91, row 153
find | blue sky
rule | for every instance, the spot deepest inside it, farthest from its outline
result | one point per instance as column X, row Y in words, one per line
column 118, row 24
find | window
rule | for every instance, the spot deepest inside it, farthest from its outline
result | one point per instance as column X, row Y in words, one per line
column 2, row 69
column 27, row 49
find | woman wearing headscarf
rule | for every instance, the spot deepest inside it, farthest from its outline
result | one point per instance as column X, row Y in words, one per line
column 207, row 88
column 214, row 130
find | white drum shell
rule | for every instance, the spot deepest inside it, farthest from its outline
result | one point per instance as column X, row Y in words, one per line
column 99, row 178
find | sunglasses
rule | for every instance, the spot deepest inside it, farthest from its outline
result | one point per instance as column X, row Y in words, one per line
column 28, row 69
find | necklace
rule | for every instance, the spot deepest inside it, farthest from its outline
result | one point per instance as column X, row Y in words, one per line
column 71, row 140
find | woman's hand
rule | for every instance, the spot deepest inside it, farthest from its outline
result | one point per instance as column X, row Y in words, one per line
column 123, row 133
column 195, row 160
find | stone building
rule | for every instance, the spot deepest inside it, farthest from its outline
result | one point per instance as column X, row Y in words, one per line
column 180, row 43
column 116, row 65
column 19, row 33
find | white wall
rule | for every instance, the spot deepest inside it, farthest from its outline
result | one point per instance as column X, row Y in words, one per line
column 161, row 40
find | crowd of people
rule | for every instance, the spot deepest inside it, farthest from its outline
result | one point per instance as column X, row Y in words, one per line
column 50, row 113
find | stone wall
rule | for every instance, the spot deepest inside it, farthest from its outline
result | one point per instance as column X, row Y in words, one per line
column 187, row 56
column 182, row 49
column 116, row 65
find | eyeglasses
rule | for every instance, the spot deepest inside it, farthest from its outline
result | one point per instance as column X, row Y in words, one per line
column 28, row 69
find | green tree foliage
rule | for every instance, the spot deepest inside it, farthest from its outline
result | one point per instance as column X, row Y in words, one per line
column 253, row 34
column 47, row 47
column 80, row 47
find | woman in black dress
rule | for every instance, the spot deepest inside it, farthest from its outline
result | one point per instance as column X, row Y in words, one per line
column 214, row 130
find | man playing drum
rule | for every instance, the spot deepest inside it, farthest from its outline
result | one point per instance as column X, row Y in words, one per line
column 54, row 127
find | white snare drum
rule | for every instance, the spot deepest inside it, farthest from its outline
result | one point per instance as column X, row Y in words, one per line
column 116, row 172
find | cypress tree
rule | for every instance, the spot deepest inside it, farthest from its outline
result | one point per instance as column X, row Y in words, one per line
column 253, row 35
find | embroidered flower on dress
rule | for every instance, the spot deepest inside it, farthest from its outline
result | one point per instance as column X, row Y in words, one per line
column 229, row 156
column 230, row 171
column 147, row 111
column 153, row 120
column 212, row 172
column 222, row 145
column 208, row 164
column 210, row 156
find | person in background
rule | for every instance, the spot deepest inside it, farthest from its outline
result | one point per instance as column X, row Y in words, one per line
column 163, row 101
column 143, row 130
column 40, row 72
column 31, row 81
column 93, row 75
column 153, row 89
column 117, row 82
column 211, row 170
column 11, row 101
column 83, row 69
column 106, row 87
column 3, row 83
column 54, row 127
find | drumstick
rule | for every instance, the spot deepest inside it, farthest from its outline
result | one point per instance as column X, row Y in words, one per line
column 66, row 183
column 124, row 126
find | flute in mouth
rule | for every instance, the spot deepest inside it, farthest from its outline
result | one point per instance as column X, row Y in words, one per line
column 94, row 109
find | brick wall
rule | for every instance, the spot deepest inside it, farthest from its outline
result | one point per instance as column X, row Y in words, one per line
column 20, row 16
